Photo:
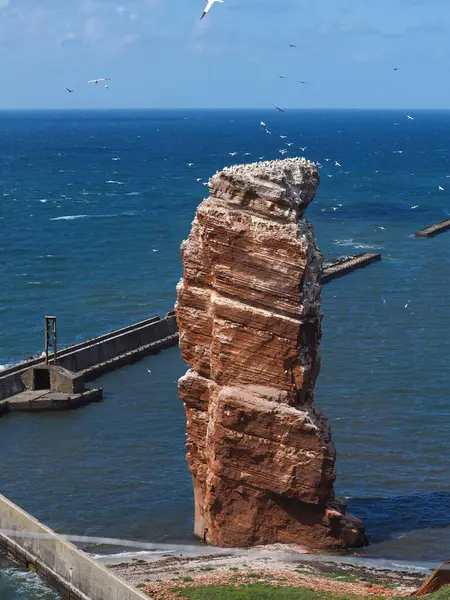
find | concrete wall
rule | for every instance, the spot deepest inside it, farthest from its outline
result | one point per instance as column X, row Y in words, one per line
column 61, row 380
column 102, row 354
column 10, row 385
column 62, row 352
column 105, row 350
column 78, row 576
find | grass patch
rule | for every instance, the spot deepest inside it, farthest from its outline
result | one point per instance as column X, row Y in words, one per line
column 140, row 585
column 442, row 594
column 262, row 591
column 258, row 591
column 208, row 569
column 346, row 577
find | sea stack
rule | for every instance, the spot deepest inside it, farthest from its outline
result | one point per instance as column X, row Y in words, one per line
column 248, row 311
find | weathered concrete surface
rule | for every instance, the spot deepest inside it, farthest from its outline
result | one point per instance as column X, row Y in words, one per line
column 78, row 575
column 434, row 229
column 349, row 265
column 40, row 400
column 93, row 358
column 60, row 379
column 259, row 449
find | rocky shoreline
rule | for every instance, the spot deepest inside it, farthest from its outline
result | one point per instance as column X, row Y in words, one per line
column 160, row 577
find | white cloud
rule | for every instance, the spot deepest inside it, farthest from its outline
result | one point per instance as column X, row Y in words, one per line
column 69, row 39
column 94, row 29
column 129, row 38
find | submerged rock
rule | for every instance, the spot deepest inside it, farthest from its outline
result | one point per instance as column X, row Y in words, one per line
column 259, row 449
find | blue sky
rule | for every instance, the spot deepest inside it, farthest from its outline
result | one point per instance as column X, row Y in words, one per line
column 159, row 54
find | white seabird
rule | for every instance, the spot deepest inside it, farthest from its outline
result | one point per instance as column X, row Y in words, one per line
column 410, row 117
column 98, row 80
column 304, row 148
column 208, row 7
column 440, row 188
column 336, row 164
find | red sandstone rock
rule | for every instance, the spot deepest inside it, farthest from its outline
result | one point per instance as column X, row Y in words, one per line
column 437, row 580
column 259, row 450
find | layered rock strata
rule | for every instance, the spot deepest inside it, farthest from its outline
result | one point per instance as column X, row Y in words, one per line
column 259, row 449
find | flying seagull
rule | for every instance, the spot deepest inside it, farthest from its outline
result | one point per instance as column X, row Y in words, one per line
column 278, row 108
column 281, row 77
column 396, row 69
column 262, row 124
column 208, row 7
column 283, row 137
column 301, row 81
column 292, row 46
column 70, row 91
column 410, row 117
column 98, row 80
column 440, row 188
column 303, row 149
column 336, row 164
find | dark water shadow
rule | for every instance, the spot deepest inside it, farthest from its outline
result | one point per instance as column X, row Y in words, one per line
column 384, row 517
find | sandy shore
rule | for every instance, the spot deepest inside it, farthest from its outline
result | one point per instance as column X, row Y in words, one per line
column 275, row 565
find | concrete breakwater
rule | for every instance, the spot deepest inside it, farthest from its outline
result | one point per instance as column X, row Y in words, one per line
column 434, row 229
column 73, row 573
column 33, row 385
column 347, row 265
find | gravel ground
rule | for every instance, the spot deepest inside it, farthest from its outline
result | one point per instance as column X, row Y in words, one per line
column 163, row 575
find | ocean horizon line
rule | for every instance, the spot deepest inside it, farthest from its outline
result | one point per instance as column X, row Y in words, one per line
column 218, row 109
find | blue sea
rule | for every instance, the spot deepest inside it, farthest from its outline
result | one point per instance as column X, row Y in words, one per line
column 93, row 208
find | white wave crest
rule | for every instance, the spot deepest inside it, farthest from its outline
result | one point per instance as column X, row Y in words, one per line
column 352, row 244
column 28, row 583
column 111, row 216
column 130, row 555
column 367, row 246
column 70, row 217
